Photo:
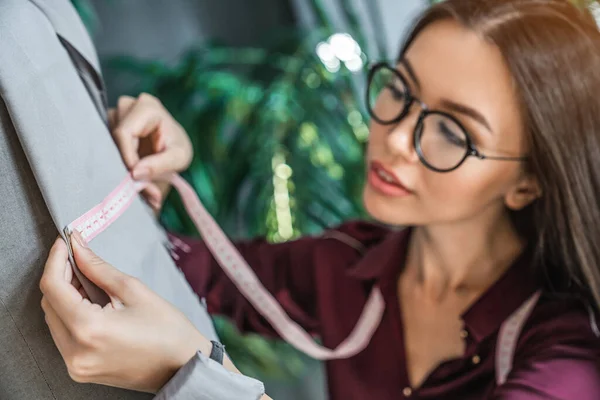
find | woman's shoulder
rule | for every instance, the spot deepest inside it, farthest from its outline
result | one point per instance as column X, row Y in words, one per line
column 560, row 318
column 559, row 348
column 558, row 353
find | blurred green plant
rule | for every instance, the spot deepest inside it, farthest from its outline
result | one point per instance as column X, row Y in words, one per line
column 272, row 130
column 86, row 12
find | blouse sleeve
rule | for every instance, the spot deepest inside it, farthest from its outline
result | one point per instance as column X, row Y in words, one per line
column 289, row 271
column 560, row 362
column 204, row 379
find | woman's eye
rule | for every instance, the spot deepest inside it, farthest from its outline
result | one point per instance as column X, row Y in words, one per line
column 397, row 93
column 450, row 136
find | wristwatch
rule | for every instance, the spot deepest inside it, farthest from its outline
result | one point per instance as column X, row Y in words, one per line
column 217, row 352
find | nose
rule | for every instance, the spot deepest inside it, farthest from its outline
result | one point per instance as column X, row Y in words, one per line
column 400, row 139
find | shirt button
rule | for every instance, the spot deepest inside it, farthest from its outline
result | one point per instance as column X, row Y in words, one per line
column 476, row 359
column 407, row 392
column 464, row 334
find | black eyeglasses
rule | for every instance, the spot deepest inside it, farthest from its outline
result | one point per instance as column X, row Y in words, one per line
column 441, row 141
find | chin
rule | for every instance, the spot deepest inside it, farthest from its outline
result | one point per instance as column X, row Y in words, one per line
column 388, row 211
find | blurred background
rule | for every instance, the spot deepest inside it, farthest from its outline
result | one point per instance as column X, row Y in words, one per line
column 270, row 92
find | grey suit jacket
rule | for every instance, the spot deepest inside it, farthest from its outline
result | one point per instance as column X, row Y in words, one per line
column 57, row 160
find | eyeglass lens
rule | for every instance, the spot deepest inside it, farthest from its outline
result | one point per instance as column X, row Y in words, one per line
column 441, row 142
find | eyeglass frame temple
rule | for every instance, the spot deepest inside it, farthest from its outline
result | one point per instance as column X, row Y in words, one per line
column 476, row 153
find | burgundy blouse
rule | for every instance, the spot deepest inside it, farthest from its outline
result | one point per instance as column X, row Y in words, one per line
column 323, row 283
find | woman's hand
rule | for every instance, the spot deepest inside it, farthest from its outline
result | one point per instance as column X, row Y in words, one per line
column 151, row 142
column 136, row 342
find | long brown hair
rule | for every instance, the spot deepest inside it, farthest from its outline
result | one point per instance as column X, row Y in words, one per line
column 552, row 50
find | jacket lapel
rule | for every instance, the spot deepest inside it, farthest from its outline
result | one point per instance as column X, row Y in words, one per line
column 68, row 25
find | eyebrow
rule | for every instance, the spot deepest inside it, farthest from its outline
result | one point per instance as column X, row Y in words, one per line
column 411, row 72
column 451, row 105
column 468, row 111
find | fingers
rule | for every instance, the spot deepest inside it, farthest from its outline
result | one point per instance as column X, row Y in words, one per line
column 73, row 340
column 68, row 272
column 112, row 118
column 143, row 117
column 151, row 142
column 156, row 166
column 60, row 334
column 116, row 114
column 153, row 195
column 59, row 292
column 127, row 140
column 117, row 285
column 124, row 105
column 128, row 145
column 153, row 166
column 77, row 285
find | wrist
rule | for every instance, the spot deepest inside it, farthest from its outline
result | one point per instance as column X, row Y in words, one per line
column 202, row 345
column 186, row 349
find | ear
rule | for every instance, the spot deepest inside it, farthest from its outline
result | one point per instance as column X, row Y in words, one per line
column 526, row 190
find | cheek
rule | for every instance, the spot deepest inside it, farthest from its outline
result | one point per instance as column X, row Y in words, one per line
column 377, row 138
column 441, row 198
column 464, row 192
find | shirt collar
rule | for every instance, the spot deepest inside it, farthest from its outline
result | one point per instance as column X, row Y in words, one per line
column 503, row 298
column 383, row 261
column 382, row 258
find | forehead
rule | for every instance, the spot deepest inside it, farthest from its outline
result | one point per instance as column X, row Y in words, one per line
column 455, row 63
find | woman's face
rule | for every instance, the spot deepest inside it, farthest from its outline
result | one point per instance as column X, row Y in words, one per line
column 449, row 68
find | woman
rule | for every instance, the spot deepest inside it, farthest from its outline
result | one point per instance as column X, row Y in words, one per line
column 484, row 140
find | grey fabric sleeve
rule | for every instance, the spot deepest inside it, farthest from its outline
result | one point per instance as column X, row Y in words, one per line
column 204, row 379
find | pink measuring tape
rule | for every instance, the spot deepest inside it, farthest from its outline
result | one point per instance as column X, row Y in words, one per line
column 93, row 222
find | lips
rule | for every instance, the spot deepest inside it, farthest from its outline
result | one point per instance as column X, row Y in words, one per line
column 385, row 181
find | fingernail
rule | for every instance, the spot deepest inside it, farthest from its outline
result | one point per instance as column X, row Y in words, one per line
column 79, row 239
column 141, row 174
column 116, row 303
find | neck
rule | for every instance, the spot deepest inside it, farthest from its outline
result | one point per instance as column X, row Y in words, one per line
column 462, row 258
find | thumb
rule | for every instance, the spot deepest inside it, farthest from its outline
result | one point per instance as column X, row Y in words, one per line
column 114, row 282
column 159, row 165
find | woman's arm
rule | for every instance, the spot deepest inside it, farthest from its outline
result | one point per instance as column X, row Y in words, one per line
column 555, row 374
column 290, row 271
column 559, row 360
column 286, row 270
